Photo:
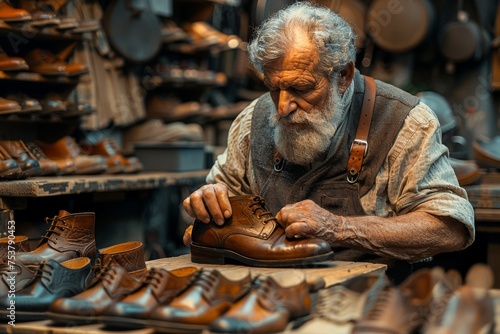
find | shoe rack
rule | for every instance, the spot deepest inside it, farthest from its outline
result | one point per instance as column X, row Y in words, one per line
column 39, row 86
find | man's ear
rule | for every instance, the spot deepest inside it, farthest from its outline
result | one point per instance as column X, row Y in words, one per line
column 345, row 77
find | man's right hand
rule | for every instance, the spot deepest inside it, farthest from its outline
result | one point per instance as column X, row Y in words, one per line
column 211, row 201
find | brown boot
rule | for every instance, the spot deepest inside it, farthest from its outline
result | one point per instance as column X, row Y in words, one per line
column 120, row 270
column 70, row 235
column 254, row 237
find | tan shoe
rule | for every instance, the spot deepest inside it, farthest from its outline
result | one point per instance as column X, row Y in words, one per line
column 26, row 161
column 45, row 62
column 8, row 106
column 10, row 14
column 8, row 63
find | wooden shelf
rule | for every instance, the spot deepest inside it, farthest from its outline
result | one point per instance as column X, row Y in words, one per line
column 25, row 32
column 76, row 184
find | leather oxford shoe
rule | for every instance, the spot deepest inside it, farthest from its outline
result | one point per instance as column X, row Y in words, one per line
column 10, row 14
column 8, row 63
column 159, row 288
column 9, row 168
column 402, row 309
column 53, row 280
column 268, row 307
column 210, row 294
column 254, row 237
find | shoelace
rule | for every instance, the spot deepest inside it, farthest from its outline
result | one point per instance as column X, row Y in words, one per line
column 44, row 270
column 259, row 204
column 103, row 273
column 153, row 278
column 54, row 228
column 206, row 279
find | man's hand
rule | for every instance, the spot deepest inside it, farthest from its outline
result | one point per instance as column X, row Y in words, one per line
column 306, row 219
column 211, row 201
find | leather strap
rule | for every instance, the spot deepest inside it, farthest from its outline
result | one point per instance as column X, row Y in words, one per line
column 359, row 146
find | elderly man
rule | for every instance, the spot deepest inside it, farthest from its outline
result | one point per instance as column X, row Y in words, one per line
column 293, row 147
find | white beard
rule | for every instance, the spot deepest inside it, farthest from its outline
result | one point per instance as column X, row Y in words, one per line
column 302, row 137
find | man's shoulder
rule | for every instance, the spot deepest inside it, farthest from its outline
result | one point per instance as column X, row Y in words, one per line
column 390, row 92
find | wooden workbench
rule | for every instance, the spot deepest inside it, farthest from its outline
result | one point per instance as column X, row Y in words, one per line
column 333, row 272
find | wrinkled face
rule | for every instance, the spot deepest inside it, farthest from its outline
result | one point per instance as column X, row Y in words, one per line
column 305, row 102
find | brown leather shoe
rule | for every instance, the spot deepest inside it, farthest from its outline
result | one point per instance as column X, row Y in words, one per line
column 53, row 280
column 10, row 14
column 16, row 277
column 25, row 160
column 49, row 167
column 254, row 237
column 9, row 168
column 8, row 63
column 41, row 13
column 159, row 288
column 14, row 244
column 401, row 309
column 69, row 235
column 28, row 104
column 66, row 149
column 467, row 171
column 269, row 306
column 45, row 62
column 115, row 160
column 8, row 106
column 120, row 270
column 210, row 294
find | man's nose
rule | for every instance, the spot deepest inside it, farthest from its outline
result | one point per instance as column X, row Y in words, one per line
column 286, row 103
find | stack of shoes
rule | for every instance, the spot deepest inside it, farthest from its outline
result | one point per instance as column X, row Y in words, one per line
column 172, row 109
column 66, row 152
column 59, row 266
column 28, row 104
column 253, row 237
column 119, row 271
column 116, row 162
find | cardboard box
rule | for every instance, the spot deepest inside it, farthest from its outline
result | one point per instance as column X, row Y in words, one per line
column 177, row 156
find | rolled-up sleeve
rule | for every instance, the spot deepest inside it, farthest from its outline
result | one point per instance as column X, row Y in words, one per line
column 418, row 176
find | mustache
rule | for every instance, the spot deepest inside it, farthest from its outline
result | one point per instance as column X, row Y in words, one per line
column 297, row 117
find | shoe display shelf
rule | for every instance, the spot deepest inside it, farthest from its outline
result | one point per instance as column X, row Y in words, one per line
column 485, row 198
column 332, row 272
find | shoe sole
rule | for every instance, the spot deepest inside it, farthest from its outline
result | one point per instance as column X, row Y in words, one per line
column 70, row 319
column 209, row 255
column 124, row 322
column 25, row 316
column 175, row 327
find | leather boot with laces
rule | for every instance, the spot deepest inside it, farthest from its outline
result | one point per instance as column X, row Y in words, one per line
column 254, row 237
column 119, row 270
column 69, row 235
column 402, row 309
column 53, row 280
column 269, row 306
column 159, row 288
column 208, row 296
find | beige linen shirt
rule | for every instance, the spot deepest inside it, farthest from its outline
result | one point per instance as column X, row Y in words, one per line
column 416, row 174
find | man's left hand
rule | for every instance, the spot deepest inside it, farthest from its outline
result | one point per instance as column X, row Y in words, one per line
column 306, row 219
